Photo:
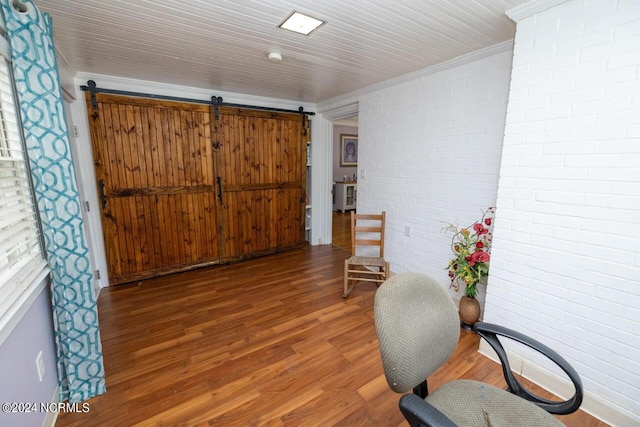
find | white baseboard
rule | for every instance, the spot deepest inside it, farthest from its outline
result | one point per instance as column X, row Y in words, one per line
column 563, row 388
column 52, row 416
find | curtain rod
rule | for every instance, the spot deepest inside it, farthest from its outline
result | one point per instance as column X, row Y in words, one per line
column 216, row 101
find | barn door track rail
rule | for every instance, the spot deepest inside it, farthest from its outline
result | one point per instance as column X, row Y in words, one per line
column 216, row 101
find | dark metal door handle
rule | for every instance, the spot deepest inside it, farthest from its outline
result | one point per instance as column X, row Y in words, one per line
column 219, row 182
column 103, row 197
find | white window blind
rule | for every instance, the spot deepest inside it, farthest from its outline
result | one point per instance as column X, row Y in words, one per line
column 21, row 260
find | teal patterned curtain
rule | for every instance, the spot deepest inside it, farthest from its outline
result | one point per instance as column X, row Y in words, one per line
column 75, row 314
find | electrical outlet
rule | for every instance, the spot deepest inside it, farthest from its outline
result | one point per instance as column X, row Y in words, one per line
column 407, row 230
column 363, row 173
column 40, row 365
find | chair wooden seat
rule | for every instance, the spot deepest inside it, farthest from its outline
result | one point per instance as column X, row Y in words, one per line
column 367, row 261
column 366, row 230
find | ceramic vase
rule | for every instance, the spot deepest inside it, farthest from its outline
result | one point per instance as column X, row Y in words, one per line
column 469, row 310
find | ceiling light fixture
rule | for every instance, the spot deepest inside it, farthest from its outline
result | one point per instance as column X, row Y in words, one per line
column 301, row 23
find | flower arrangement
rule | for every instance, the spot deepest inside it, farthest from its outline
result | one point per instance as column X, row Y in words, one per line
column 471, row 247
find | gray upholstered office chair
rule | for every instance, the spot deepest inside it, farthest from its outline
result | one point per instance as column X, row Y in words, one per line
column 418, row 329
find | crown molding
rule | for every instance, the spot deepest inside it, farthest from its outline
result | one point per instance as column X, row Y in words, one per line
column 530, row 8
column 452, row 63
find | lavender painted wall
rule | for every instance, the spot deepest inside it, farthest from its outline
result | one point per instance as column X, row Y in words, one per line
column 340, row 172
column 18, row 372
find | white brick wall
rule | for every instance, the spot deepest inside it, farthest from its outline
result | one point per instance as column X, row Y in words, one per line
column 566, row 254
column 430, row 148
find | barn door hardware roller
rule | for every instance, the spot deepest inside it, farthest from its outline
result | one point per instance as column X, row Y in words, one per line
column 91, row 87
column 217, row 102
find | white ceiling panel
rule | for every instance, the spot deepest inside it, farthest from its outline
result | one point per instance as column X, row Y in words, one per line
column 223, row 44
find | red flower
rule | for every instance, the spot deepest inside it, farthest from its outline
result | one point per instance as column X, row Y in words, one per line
column 479, row 229
column 479, row 256
column 479, row 245
column 470, row 260
column 487, row 221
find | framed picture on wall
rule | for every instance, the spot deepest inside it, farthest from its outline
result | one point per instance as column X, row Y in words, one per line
column 348, row 150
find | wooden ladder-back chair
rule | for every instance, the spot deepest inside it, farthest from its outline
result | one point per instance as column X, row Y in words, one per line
column 366, row 230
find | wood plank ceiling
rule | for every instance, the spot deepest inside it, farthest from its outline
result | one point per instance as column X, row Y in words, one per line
column 223, row 44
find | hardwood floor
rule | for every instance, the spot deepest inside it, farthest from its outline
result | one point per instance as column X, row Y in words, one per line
column 269, row 341
column 341, row 230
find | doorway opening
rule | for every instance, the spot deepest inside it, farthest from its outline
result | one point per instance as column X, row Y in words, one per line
column 345, row 178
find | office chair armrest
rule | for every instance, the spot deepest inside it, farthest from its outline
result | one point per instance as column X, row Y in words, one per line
column 490, row 333
column 420, row 413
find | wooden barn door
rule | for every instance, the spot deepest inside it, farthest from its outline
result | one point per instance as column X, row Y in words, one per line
column 182, row 186
column 262, row 159
column 156, row 180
